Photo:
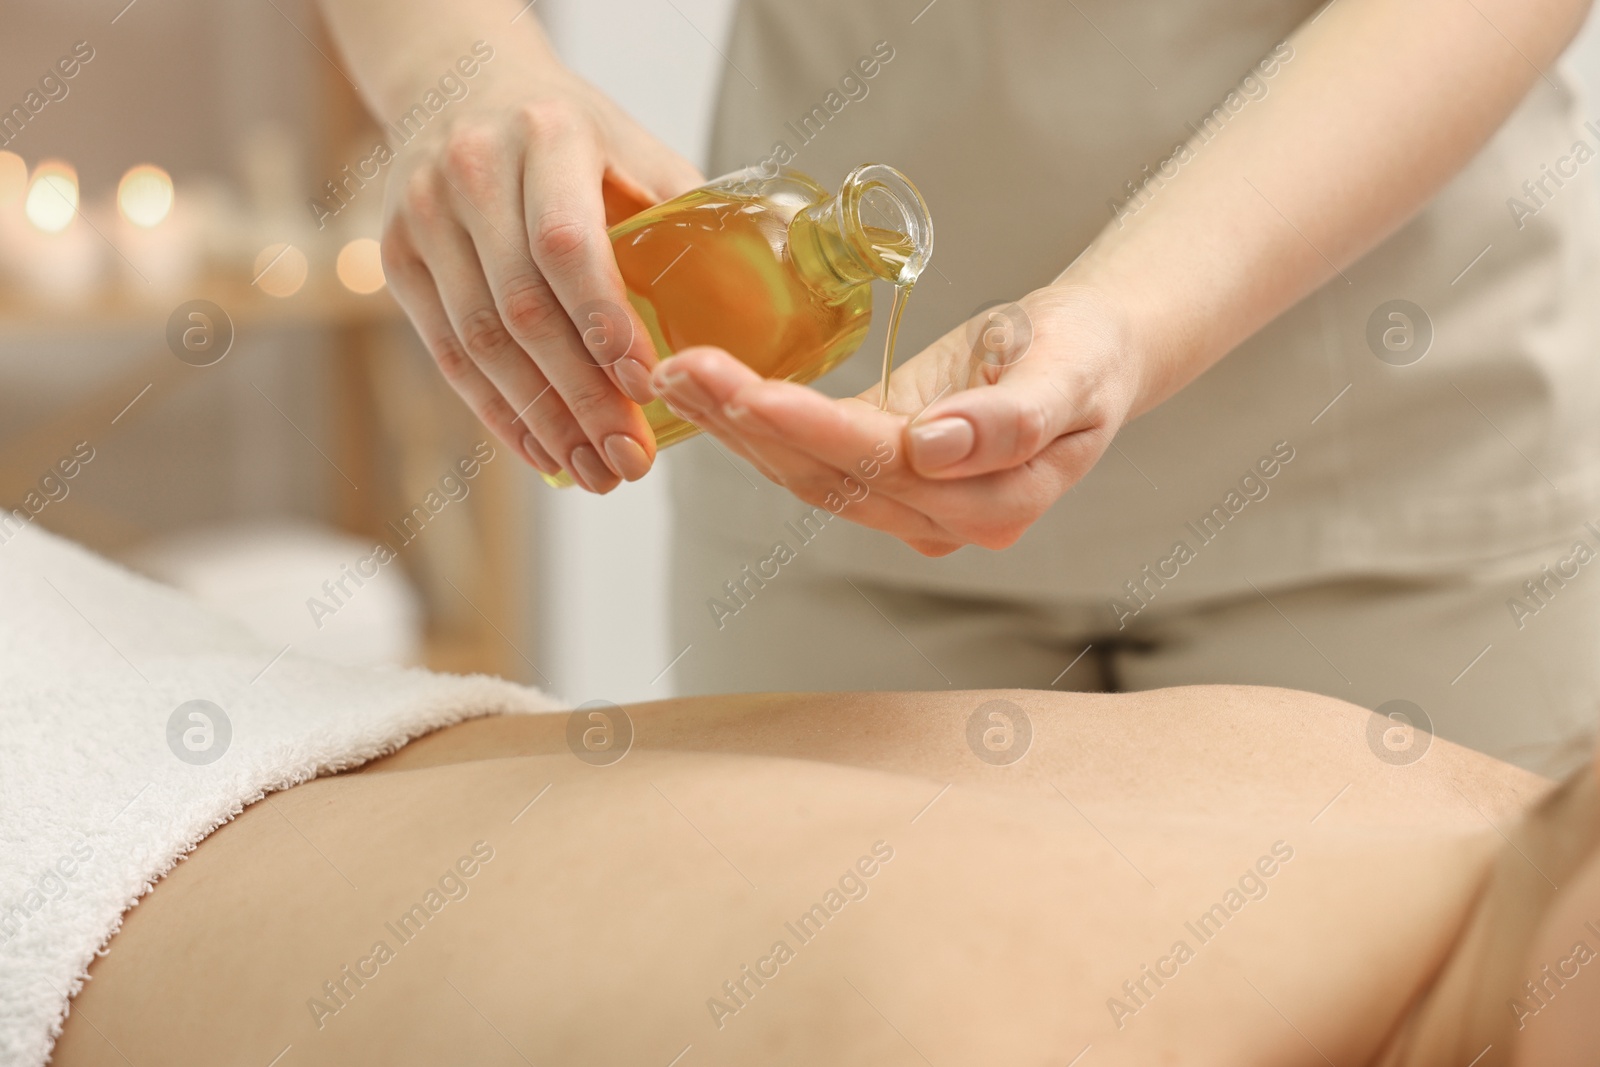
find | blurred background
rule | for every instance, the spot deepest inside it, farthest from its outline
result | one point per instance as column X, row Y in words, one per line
column 257, row 415
column 175, row 165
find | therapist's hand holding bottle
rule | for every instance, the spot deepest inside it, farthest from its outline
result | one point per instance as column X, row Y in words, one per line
column 495, row 227
column 497, row 240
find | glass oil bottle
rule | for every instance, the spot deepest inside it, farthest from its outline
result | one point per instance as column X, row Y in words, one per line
column 773, row 269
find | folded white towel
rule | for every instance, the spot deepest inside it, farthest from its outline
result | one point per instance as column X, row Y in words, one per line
column 106, row 780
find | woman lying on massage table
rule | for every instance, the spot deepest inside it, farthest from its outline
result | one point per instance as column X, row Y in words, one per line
column 1198, row 876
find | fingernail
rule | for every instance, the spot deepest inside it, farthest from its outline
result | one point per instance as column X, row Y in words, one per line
column 683, row 411
column 627, row 456
column 686, row 393
column 536, row 455
column 589, row 470
column 635, row 380
column 668, row 375
column 941, row 443
column 742, row 416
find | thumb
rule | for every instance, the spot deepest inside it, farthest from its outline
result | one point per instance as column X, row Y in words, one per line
column 1015, row 410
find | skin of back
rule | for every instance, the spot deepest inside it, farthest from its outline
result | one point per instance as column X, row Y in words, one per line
column 1206, row 875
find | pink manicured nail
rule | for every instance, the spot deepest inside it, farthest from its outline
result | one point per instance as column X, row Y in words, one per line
column 591, row 472
column 627, row 456
column 686, row 393
column 683, row 412
column 667, row 375
column 537, row 456
column 635, row 381
column 941, row 443
column 741, row 416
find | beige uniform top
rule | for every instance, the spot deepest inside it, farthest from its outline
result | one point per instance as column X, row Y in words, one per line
column 1023, row 123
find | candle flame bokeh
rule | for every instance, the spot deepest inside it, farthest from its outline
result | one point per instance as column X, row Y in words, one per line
column 52, row 196
column 280, row 269
column 145, row 196
column 360, row 266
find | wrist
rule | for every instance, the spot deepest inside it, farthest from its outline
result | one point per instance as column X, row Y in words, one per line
column 1116, row 358
column 449, row 76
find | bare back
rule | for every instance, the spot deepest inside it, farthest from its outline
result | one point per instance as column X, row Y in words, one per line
column 1219, row 874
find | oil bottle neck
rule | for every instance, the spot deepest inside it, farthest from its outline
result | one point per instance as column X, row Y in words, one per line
column 877, row 226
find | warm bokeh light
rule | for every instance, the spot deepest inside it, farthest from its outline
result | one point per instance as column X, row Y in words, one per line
column 13, row 177
column 52, row 196
column 280, row 269
column 360, row 266
column 144, row 196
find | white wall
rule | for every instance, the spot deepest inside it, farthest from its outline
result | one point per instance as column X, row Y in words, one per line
column 604, row 559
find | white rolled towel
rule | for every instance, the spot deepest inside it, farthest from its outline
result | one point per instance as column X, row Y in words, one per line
column 133, row 724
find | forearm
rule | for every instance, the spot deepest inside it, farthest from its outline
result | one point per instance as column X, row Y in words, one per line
column 397, row 51
column 1381, row 103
